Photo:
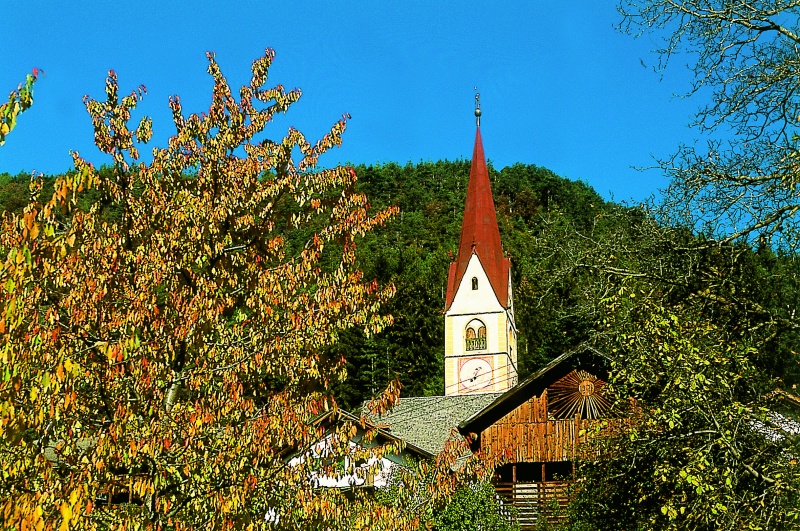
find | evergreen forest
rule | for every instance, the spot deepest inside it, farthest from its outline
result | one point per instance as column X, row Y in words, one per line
column 567, row 247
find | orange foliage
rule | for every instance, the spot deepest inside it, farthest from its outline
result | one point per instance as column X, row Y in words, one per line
column 163, row 349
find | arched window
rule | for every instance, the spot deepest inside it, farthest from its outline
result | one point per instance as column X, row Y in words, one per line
column 474, row 282
column 475, row 335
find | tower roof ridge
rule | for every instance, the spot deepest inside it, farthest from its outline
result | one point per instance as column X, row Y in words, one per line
column 480, row 233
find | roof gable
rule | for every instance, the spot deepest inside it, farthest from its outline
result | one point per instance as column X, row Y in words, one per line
column 483, row 299
column 329, row 418
column 582, row 357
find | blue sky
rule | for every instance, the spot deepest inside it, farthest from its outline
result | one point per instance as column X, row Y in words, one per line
column 560, row 88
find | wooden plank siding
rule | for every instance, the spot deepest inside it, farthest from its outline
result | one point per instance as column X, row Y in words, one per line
column 553, row 440
column 532, row 437
column 541, row 438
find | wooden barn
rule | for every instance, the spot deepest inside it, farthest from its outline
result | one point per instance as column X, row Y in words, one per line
column 540, row 422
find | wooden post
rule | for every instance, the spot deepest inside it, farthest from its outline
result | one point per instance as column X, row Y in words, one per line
column 514, row 484
column 543, row 490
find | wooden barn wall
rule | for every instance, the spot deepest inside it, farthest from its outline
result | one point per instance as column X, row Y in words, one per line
column 532, row 437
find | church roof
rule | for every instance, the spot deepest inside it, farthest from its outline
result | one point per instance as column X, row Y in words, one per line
column 427, row 421
column 479, row 232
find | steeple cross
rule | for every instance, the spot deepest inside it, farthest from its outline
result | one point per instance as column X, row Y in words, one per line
column 477, row 108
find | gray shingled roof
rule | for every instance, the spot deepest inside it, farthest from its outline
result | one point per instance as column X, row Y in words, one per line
column 427, row 421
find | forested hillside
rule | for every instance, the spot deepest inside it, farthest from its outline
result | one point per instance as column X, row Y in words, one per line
column 569, row 250
column 415, row 249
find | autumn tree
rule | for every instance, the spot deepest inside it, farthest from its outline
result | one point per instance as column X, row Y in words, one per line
column 706, row 448
column 19, row 101
column 160, row 363
column 700, row 337
column 693, row 298
column 739, row 192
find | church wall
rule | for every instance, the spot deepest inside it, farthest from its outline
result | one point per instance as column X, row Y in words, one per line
column 502, row 335
column 455, row 344
column 469, row 304
column 449, row 338
column 478, row 304
column 503, row 366
column 501, row 376
column 468, row 300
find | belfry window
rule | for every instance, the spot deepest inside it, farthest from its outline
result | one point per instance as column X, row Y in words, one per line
column 474, row 282
column 475, row 335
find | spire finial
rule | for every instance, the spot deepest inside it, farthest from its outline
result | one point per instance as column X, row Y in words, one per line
column 477, row 107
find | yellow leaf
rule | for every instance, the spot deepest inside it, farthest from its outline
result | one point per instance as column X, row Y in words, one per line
column 66, row 514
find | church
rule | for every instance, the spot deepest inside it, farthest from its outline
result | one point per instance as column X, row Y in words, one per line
column 480, row 349
column 539, row 421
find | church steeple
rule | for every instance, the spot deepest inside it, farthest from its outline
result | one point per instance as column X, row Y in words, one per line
column 479, row 231
column 480, row 353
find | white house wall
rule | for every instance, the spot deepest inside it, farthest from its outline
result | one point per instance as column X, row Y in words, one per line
column 322, row 449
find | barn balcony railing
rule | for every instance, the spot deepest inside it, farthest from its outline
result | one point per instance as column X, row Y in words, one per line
column 534, row 501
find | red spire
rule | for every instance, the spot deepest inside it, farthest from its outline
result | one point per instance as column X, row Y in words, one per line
column 480, row 233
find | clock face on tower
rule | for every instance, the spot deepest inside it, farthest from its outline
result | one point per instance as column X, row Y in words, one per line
column 474, row 374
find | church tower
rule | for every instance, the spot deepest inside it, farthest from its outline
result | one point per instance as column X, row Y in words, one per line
column 480, row 353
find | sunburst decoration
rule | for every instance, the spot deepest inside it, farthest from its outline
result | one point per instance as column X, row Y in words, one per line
column 578, row 392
